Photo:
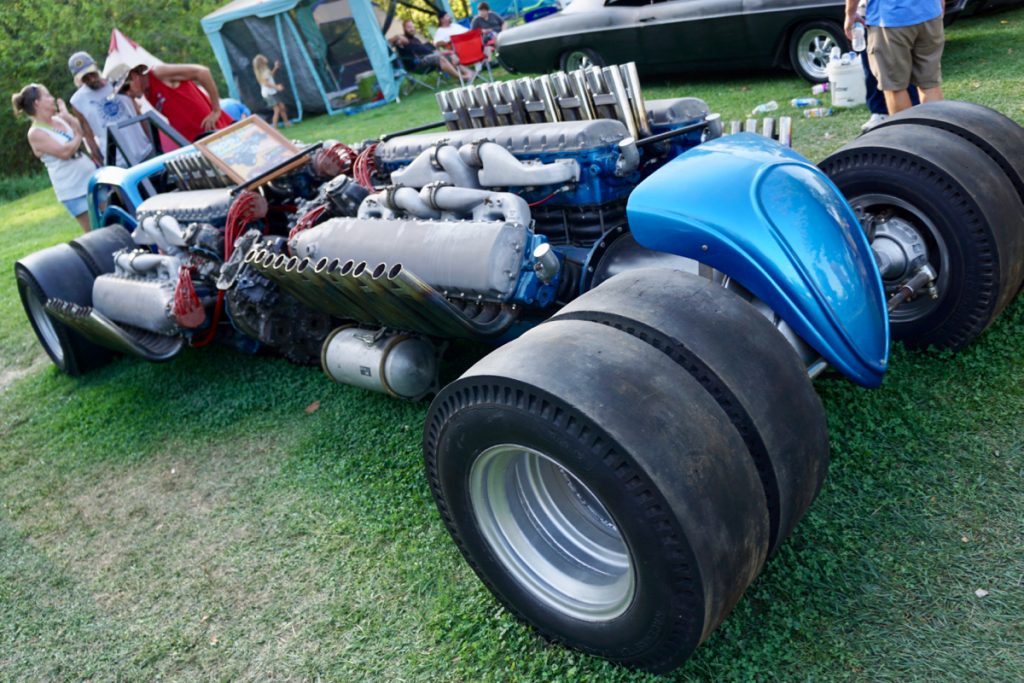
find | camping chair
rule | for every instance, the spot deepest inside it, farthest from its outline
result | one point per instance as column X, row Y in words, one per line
column 469, row 48
column 415, row 72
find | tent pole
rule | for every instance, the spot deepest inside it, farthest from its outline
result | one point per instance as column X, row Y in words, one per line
column 309, row 64
column 288, row 63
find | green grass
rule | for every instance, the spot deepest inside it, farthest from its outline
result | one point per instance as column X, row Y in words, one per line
column 191, row 521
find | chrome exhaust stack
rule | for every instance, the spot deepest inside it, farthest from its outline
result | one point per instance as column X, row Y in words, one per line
column 100, row 329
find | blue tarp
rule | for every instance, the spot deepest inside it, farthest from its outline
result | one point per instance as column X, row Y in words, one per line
column 285, row 31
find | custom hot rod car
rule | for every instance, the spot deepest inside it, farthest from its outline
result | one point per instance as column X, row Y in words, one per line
column 645, row 433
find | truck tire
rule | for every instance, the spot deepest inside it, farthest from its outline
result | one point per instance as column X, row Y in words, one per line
column 998, row 136
column 97, row 247
column 598, row 491
column 58, row 272
column 925, row 190
column 742, row 361
column 624, row 403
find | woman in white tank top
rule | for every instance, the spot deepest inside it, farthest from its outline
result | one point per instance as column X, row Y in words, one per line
column 56, row 138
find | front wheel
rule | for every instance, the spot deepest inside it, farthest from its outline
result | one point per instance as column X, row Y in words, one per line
column 810, row 46
column 928, row 197
column 59, row 273
column 579, row 58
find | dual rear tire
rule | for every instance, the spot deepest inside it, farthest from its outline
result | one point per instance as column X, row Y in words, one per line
column 932, row 183
column 614, row 478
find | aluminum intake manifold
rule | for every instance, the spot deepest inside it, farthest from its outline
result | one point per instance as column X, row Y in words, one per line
column 446, row 202
column 483, row 164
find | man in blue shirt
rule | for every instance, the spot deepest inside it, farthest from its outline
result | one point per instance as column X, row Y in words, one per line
column 905, row 42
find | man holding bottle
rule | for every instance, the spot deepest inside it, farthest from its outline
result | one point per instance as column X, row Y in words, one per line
column 905, row 39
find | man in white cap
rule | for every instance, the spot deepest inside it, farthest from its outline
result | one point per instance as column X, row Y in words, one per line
column 96, row 109
column 173, row 90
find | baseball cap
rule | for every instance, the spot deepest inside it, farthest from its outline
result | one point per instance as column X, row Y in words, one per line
column 80, row 64
column 119, row 73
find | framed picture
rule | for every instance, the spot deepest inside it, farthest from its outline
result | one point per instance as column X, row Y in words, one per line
column 249, row 149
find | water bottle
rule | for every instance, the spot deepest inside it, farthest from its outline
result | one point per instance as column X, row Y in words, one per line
column 836, row 54
column 805, row 102
column 859, row 41
column 765, row 108
column 820, row 88
column 817, row 112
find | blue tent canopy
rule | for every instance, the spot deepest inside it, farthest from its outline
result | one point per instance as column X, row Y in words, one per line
column 322, row 46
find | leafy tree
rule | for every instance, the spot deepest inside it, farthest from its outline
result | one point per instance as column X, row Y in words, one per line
column 36, row 39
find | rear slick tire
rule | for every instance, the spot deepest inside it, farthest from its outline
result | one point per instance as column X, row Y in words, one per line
column 743, row 361
column 598, row 491
column 566, row 437
column 97, row 247
column 929, row 191
column 998, row 136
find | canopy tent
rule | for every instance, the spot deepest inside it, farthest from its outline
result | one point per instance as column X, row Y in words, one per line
column 513, row 8
column 322, row 46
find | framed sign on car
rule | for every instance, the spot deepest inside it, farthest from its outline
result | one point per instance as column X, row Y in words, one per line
column 249, row 149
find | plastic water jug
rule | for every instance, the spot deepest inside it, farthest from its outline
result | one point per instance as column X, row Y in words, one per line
column 846, row 83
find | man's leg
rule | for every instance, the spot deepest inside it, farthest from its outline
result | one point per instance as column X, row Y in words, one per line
column 890, row 57
column 874, row 97
column 931, row 94
column 447, row 67
column 928, row 60
column 897, row 101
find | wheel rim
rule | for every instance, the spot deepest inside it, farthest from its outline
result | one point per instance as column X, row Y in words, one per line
column 874, row 209
column 812, row 52
column 551, row 533
column 47, row 332
column 577, row 60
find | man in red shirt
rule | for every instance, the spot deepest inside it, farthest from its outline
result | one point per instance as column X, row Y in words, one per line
column 172, row 90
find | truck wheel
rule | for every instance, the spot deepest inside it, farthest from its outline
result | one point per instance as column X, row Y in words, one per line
column 996, row 135
column 598, row 491
column 927, row 195
column 58, row 272
column 657, row 427
column 97, row 247
column 739, row 357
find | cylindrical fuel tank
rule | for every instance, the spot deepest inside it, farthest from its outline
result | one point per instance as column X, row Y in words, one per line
column 395, row 364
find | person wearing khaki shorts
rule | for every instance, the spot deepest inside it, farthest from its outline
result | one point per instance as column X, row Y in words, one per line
column 905, row 42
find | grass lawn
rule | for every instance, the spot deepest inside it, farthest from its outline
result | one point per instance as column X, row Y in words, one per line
column 201, row 520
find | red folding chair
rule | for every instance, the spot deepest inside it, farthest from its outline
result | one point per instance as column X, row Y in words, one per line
column 469, row 48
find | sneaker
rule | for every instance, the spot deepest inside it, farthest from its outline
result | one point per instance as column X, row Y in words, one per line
column 873, row 121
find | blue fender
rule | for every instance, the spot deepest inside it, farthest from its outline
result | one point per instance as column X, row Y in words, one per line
column 768, row 218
